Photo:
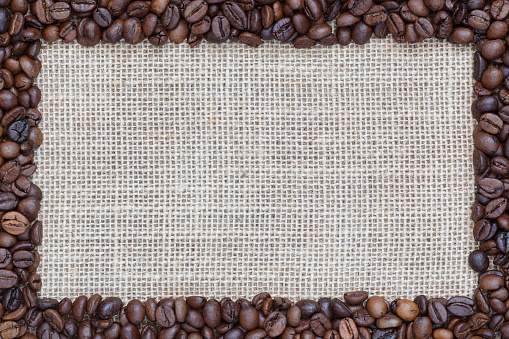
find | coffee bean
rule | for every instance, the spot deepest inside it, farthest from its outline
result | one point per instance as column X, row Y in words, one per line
column 348, row 329
column 359, row 7
column 195, row 10
column 407, row 309
column 377, row 307
column 313, row 9
column 133, row 33
column 9, row 329
column 361, row 33
column 102, row 17
column 363, row 318
column 109, row 307
column 320, row 324
column 375, row 15
column 275, row 324
column 235, row 15
column 319, row 31
column 388, row 321
column 461, row 306
column 422, row 327
column 250, row 39
column 230, row 311
column 283, row 29
column 212, row 313
column 478, row 261
column 424, row 28
column 249, row 318
column 437, row 312
column 165, row 316
column 7, row 279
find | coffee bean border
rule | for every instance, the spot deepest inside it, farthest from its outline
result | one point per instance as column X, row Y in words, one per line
column 303, row 23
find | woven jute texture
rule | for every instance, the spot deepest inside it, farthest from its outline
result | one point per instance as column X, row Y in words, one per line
column 226, row 170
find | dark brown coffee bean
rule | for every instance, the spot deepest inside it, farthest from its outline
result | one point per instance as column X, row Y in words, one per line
column 230, row 311
column 135, row 312
column 437, row 312
column 8, row 279
column 313, row 10
column 396, row 26
column 83, row 6
column 491, row 188
column 319, row 31
column 464, row 36
column 109, row 307
column 133, row 33
column 375, row 15
column 283, row 29
column 212, row 313
column 89, row 33
column 320, row 324
column 235, row 15
column 478, row 19
column 165, row 316
column 170, row 17
column 359, row 7
column 443, row 24
column 250, row 39
column 361, row 33
column 478, row 261
column 347, row 19
column 461, row 306
column 499, row 9
column 492, row 49
column 195, row 11
column 275, row 324
column 424, row 28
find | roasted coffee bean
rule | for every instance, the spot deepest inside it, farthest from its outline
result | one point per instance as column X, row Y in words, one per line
column 133, row 33
column 388, row 321
column 230, row 311
column 478, row 261
column 195, row 11
column 235, row 15
column 478, row 19
column 283, row 30
column 355, row 298
column 89, row 32
column 109, row 307
column 275, row 324
column 165, row 316
column 361, row 33
column 249, row 318
column 102, row 17
column 348, row 329
column 377, row 307
column 319, row 324
column 250, row 39
column 375, row 15
column 359, row 7
column 212, row 313
column 363, row 318
column 313, row 10
column 461, row 306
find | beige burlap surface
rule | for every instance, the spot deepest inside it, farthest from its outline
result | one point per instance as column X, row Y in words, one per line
column 226, row 171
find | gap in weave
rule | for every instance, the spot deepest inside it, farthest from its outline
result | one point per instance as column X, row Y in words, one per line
column 226, row 170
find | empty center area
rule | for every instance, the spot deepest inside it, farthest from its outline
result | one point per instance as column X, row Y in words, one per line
column 226, row 170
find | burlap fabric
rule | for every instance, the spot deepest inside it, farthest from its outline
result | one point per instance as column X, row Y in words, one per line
column 227, row 170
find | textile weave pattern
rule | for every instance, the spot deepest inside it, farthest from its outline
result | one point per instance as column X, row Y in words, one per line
column 226, row 170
